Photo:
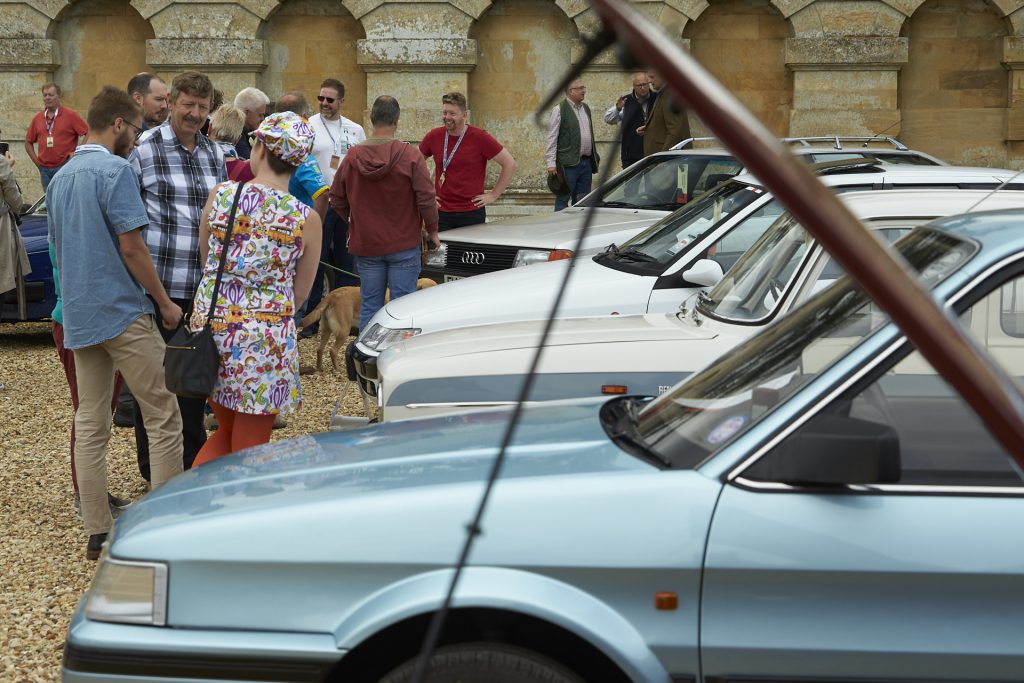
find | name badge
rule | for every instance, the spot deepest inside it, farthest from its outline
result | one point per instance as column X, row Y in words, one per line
column 49, row 141
column 335, row 161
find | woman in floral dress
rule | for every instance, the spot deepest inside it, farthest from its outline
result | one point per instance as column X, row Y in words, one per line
column 271, row 262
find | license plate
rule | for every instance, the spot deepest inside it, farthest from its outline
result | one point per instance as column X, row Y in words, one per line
column 453, row 278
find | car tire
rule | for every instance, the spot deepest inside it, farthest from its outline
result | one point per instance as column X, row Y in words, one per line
column 486, row 663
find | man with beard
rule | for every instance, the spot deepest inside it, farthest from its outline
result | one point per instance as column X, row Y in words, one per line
column 95, row 228
column 178, row 167
column 461, row 153
column 149, row 92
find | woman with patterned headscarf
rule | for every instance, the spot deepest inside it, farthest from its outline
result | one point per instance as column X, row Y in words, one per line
column 272, row 257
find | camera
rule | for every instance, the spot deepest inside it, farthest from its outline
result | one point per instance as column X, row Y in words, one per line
column 4, row 147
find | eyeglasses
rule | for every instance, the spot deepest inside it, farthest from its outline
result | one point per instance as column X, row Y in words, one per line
column 138, row 131
column 328, row 100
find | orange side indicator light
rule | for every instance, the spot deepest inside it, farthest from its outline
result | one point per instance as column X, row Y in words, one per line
column 666, row 601
column 613, row 388
column 559, row 254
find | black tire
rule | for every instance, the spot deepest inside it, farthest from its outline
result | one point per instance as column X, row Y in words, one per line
column 486, row 663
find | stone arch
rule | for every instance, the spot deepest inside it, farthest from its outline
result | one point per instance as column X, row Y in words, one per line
column 88, row 59
column 524, row 47
column 308, row 41
column 953, row 92
column 743, row 44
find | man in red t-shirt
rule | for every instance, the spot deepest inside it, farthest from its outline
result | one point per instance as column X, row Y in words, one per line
column 58, row 131
column 460, row 154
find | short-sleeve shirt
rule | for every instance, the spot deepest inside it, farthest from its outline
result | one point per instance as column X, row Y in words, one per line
column 334, row 138
column 465, row 176
column 90, row 202
column 68, row 126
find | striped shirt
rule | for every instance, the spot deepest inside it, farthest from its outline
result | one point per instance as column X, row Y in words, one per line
column 175, row 184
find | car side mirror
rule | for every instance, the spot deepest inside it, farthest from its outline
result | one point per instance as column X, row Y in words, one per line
column 705, row 273
column 24, row 209
column 834, row 450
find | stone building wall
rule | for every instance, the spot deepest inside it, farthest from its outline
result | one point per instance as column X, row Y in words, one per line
column 945, row 75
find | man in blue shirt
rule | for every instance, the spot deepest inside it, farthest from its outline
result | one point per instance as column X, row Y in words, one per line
column 95, row 225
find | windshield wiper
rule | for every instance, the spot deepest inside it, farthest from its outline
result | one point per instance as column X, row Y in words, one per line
column 620, row 205
column 705, row 300
column 620, row 425
column 635, row 254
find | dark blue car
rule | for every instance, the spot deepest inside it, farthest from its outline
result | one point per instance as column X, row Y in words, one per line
column 40, row 296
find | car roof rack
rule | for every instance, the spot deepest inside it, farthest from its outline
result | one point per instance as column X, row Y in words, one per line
column 836, row 141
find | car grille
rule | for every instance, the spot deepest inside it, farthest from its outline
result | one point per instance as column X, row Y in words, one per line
column 479, row 258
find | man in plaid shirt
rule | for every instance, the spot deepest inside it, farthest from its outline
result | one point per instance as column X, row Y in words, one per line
column 178, row 167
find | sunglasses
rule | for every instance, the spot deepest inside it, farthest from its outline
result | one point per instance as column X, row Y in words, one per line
column 328, row 100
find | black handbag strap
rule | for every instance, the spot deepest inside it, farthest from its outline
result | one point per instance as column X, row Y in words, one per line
column 224, row 254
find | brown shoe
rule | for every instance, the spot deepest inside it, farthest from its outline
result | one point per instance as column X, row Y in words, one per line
column 95, row 546
column 306, row 369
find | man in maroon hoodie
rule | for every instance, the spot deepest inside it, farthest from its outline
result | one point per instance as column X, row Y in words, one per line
column 385, row 191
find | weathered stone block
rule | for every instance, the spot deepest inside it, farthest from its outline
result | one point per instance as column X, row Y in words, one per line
column 856, row 51
column 21, row 21
column 963, row 136
column 410, row 21
column 415, row 54
column 169, row 54
column 17, row 54
column 849, row 90
column 815, row 122
column 846, row 18
column 1014, row 125
column 209, row 22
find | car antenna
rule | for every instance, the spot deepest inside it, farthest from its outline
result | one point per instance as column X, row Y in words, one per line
column 595, row 46
column 996, row 189
column 881, row 133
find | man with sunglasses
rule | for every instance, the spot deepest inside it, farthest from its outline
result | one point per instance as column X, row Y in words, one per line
column 335, row 136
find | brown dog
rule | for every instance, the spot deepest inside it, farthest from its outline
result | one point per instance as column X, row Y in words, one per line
column 338, row 313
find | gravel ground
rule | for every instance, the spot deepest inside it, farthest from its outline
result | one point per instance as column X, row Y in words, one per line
column 43, row 570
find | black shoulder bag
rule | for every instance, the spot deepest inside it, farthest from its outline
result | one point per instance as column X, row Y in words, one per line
column 191, row 361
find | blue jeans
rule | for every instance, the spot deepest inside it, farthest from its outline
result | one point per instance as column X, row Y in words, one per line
column 397, row 272
column 46, row 174
column 578, row 178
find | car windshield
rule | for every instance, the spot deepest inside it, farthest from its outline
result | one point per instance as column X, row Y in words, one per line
column 663, row 182
column 661, row 242
column 704, row 413
column 753, row 288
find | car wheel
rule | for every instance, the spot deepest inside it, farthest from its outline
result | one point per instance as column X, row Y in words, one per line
column 486, row 663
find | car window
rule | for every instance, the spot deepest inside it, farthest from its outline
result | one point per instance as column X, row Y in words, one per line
column 664, row 240
column 941, row 442
column 905, row 159
column 665, row 182
column 1011, row 308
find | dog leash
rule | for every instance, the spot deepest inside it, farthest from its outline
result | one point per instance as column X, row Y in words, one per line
column 340, row 270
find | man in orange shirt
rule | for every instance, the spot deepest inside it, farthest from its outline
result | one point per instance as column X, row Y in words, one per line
column 58, row 130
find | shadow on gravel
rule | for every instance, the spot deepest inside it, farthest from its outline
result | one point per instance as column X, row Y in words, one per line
column 25, row 335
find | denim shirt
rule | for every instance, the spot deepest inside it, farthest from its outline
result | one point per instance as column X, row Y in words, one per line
column 93, row 199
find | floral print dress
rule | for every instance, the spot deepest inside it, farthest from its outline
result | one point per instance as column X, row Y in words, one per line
column 252, row 321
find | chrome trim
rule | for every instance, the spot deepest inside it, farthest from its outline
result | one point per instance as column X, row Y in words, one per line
column 736, row 473
column 461, row 404
column 920, row 489
column 473, row 258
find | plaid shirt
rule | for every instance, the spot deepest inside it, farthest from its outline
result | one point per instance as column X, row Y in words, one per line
column 175, row 185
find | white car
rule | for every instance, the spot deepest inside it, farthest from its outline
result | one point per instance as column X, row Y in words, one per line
column 471, row 367
column 652, row 273
column 628, row 202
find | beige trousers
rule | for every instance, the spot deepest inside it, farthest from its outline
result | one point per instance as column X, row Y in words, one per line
column 138, row 353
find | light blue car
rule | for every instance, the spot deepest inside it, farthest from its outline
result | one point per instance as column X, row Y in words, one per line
column 817, row 505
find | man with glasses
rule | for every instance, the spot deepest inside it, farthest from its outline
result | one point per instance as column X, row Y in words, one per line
column 631, row 111
column 571, row 150
column 335, row 136
column 461, row 153
column 107, row 316
column 177, row 167
column 253, row 102
column 57, row 130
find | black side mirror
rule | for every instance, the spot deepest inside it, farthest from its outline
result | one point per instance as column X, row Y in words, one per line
column 25, row 209
column 834, row 450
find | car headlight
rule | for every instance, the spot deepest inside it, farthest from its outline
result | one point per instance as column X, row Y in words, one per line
column 128, row 593
column 439, row 257
column 378, row 337
column 527, row 257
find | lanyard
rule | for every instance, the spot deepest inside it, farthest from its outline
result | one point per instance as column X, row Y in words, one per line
column 50, row 123
column 447, row 158
column 341, row 129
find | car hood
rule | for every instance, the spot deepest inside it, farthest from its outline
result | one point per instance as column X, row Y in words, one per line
column 425, row 459
column 558, row 230
column 566, row 332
